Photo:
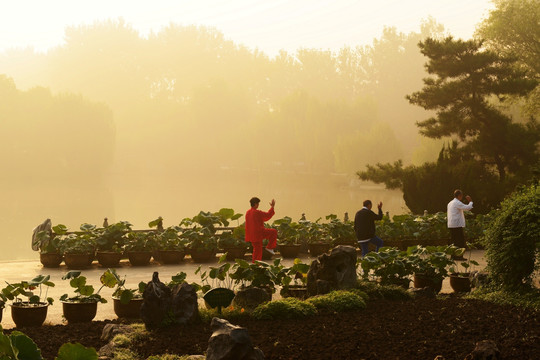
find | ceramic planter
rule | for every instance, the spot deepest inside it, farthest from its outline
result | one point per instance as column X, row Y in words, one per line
column 26, row 314
column 460, row 282
column 139, row 258
column 76, row 312
column 235, row 253
column 421, row 281
column 202, row 255
column 171, row 256
column 131, row 310
column 289, row 251
column 78, row 261
column 50, row 260
column 108, row 259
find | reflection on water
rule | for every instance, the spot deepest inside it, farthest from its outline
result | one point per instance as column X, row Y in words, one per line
column 142, row 197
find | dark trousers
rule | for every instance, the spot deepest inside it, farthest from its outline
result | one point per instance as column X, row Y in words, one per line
column 457, row 237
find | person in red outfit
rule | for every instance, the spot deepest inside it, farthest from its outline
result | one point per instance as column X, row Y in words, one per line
column 255, row 230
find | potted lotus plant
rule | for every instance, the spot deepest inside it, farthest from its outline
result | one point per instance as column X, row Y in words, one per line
column 33, row 310
column 294, row 281
column 82, row 307
column 430, row 265
column 48, row 245
column 110, row 242
column 288, row 237
column 127, row 302
column 78, row 248
column 139, row 246
column 171, row 245
column 460, row 271
column 233, row 243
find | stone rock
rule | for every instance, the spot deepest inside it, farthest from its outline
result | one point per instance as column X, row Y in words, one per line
column 164, row 306
column 426, row 292
column 333, row 271
column 111, row 330
column 230, row 342
column 484, row 350
column 439, row 357
column 479, row 278
column 251, row 297
column 196, row 357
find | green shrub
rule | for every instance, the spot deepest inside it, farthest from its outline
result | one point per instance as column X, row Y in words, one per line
column 288, row 308
column 388, row 292
column 229, row 313
column 528, row 299
column 512, row 240
column 338, row 301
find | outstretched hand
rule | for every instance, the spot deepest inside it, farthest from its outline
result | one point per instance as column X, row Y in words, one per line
column 380, row 205
column 469, row 199
column 272, row 203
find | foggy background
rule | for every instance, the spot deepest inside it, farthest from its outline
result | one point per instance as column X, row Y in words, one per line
column 115, row 124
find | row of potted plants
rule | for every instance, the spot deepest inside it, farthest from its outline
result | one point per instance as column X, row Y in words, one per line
column 427, row 266
column 207, row 233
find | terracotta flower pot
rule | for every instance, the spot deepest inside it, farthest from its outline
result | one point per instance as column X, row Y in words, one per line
column 131, row 310
column 26, row 314
column 139, row 258
column 289, row 251
column 460, row 282
column 50, row 260
column 235, row 253
column 77, row 261
column 171, row 256
column 202, row 255
column 108, row 259
column 318, row 249
column 76, row 312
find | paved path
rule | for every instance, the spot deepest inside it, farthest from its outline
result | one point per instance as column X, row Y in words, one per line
column 26, row 270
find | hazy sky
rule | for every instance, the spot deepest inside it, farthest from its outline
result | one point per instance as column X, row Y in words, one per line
column 269, row 25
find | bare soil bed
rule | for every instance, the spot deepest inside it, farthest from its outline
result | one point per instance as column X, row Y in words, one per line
column 419, row 329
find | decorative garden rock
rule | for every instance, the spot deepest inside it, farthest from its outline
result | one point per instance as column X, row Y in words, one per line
column 484, row 350
column 251, row 297
column 333, row 271
column 230, row 342
column 111, row 330
column 164, row 306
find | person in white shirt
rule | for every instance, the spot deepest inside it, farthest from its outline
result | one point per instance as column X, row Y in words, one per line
column 456, row 218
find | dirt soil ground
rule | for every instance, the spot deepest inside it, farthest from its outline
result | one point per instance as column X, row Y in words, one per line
column 419, row 329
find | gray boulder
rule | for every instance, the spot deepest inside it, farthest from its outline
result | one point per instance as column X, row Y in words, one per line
column 230, row 342
column 165, row 306
column 484, row 350
column 333, row 271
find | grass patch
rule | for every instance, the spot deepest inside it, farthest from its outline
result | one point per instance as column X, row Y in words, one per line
column 338, row 301
column 288, row 308
column 168, row 357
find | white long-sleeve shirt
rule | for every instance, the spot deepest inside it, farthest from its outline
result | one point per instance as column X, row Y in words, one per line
column 455, row 208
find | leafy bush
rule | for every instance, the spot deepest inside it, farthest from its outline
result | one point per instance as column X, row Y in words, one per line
column 338, row 301
column 229, row 313
column 289, row 308
column 512, row 239
column 388, row 292
column 18, row 346
column 76, row 351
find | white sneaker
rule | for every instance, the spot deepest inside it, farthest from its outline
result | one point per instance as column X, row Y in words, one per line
column 271, row 251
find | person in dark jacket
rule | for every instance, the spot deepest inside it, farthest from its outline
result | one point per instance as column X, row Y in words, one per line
column 364, row 226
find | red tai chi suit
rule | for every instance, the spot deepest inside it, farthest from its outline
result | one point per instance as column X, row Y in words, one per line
column 256, row 232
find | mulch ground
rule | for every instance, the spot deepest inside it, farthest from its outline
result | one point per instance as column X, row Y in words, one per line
column 419, row 329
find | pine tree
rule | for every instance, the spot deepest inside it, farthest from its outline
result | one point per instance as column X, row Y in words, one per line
column 466, row 89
